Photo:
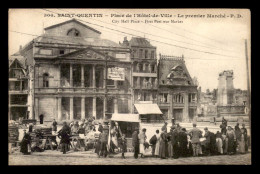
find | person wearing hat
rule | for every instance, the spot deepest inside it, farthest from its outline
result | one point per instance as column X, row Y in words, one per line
column 163, row 151
column 195, row 134
column 246, row 137
column 210, row 142
column 135, row 143
column 175, row 142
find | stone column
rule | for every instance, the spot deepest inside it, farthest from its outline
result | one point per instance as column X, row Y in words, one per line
column 36, row 108
column 94, row 107
column 186, row 108
column 105, row 77
column 155, row 68
column 59, row 77
column 144, row 67
column 104, row 107
column 59, row 109
column 171, row 106
column 71, row 108
column 82, row 76
column 71, row 75
column 94, row 75
column 150, row 68
column 115, row 105
column 83, row 107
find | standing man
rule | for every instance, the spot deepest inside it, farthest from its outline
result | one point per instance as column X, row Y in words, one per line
column 175, row 142
column 135, row 143
column 223, row 126
column 64, row 135
column 54, row 126
column 103, row 138
column 210, row 141
column 196, row 134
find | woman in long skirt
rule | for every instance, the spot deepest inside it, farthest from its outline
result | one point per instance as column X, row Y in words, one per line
column 163, row 152
column 219, row 142
column 25, row 144
column 241, row 142
column 231, row 136
column 170, row 147
column 157, row 146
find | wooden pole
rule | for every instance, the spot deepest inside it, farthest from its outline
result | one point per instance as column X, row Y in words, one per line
column 248, row 86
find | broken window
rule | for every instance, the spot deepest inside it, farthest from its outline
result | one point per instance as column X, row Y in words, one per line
column 45, row 80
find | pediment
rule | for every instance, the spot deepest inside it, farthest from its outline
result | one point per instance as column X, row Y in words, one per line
column 179, row 75
column 86, row 54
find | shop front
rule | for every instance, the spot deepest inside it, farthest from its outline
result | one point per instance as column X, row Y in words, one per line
column 149, row 113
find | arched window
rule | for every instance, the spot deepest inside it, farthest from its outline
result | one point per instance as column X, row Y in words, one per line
column 73, row 32
column 45, row 80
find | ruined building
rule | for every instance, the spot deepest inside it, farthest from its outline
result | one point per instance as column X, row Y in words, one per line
column 18, row 88
column 225, row 93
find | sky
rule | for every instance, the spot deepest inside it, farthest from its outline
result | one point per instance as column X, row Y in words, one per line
column 209, row 45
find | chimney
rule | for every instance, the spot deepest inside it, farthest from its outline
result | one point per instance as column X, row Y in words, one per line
column 20, row 48
column 125, row 42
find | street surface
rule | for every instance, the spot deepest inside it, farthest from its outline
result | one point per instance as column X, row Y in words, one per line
column 49, row 157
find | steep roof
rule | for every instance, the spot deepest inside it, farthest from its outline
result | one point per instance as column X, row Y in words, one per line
column 76, row 41
column 140, row 42
column 72, row 20
column 21, row 60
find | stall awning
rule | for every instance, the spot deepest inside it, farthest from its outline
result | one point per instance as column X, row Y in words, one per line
column 126, row 117
column 148, row 109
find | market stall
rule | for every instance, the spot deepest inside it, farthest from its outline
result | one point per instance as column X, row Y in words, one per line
column 127, row 123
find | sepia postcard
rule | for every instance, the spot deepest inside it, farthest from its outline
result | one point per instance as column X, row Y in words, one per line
column 129, row 86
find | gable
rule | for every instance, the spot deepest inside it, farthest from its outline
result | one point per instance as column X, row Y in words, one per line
column 69, row 28
column 174, row 72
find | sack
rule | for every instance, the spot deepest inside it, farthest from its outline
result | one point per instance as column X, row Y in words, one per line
column 153, row 140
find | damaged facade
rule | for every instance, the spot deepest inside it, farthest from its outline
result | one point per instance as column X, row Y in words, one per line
column 18, row 88
column 68, row 63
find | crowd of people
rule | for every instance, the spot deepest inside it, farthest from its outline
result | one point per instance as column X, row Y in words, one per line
column 179, row 142
column 175, row 143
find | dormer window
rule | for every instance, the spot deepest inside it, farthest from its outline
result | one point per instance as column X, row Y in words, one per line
column 73, row 32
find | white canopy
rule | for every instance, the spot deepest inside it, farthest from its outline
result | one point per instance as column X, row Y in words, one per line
column 148, row 108
column 126, row 117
